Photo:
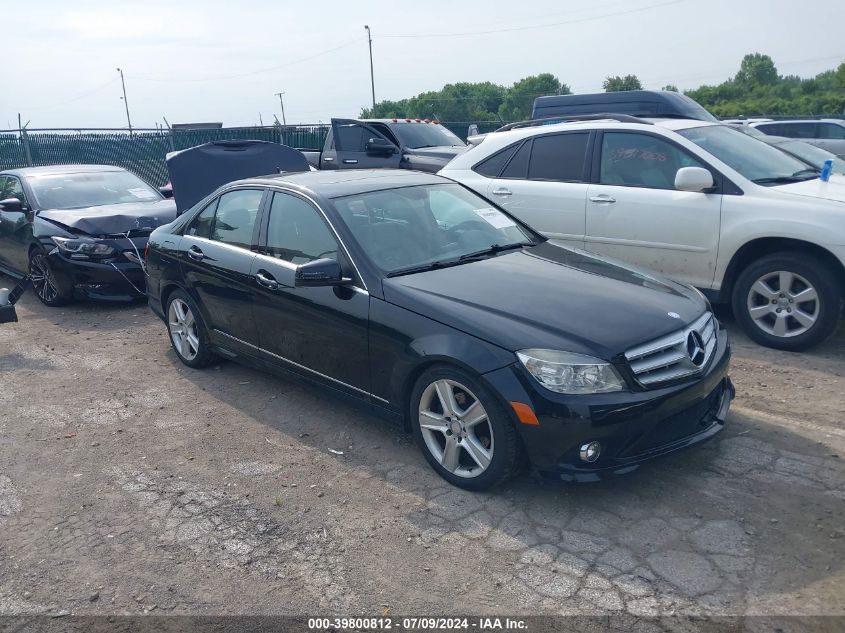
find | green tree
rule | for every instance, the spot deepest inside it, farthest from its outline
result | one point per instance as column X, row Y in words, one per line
column 620, row 84
column 519, row 98
column 840, row 76
column 670, row 88
column 757, row 70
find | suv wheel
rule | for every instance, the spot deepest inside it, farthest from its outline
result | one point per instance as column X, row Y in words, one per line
column 187, row 331
column 788, row 301
column 463, row 431
column 44, row 282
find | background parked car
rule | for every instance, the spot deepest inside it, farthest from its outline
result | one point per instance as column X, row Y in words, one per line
column 641, row 103
column 828, row 134
column 810, row 154
column 78, row 230
column 416, row 297
column 696, row 201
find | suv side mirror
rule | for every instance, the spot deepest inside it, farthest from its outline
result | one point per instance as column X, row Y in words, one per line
column 320, row 272
column 166, row 191
column 11, row 204
column 379, row 145
column 695, row 179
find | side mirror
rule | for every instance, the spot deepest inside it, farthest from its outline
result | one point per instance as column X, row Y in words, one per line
column 11, row 204
column 320, row 272
column 695, row 179
column 472, row 130
column 166, row 191
column 379, row 145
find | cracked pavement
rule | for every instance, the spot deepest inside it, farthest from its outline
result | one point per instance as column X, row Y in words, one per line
column 131, row 484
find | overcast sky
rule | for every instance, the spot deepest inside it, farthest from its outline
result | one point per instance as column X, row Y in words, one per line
column 223, row 60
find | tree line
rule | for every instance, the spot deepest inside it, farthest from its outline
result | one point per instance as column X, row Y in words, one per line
column 756, row 89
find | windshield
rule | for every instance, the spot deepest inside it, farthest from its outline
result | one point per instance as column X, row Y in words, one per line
column 89, row 189
column 812, row 154
column 428, row 225
column 754, row 159
column 417, row 135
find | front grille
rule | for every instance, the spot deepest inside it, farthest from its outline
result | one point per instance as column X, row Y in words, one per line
column 677, row 355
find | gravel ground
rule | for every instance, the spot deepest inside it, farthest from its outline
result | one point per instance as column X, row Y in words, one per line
column 132, row 484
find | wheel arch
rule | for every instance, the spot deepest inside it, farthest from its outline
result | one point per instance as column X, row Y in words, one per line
column 761, row 247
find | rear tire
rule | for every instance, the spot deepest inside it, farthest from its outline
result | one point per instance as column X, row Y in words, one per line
column 44, row 282
column 470, row 441
column 790, row 301
column 187, row 332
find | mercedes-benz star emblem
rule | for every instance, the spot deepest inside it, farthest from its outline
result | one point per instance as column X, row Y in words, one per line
column 695, row 348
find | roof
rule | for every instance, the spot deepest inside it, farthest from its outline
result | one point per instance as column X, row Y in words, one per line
column 60, row 169
column 345, row 182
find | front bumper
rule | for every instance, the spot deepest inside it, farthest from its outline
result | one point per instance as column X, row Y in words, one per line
column 632, row 426
column 118, row 278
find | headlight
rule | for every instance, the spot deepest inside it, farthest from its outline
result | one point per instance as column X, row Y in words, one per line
column 564, row 372
column 83, row 246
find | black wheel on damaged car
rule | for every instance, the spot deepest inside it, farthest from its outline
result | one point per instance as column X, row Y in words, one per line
column 47, row 288
column 188, row 334
column 790, row 301
column 463, row 431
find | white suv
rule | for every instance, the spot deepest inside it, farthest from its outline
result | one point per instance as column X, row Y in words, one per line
column 703, row 203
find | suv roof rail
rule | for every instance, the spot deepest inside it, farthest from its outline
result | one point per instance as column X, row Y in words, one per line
column 622, row 118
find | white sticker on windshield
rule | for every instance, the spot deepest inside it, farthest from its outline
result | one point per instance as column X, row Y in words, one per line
column 495, row 218
column 142, row 194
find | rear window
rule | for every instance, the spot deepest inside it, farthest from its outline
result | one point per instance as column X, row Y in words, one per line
column 558, row 157
column 492, row 166
column 518, row 166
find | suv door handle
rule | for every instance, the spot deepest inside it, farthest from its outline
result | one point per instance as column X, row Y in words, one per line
column 266, row 279
column 327, row 159
column 350, row 161
column 501, row 191
column 603, row 199
column 195, row 253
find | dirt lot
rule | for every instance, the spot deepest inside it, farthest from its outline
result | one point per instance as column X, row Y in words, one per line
column 131, row 484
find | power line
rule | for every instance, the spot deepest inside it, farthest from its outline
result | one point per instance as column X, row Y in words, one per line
column 72, row 99
column 251, row 72
column 536, row 26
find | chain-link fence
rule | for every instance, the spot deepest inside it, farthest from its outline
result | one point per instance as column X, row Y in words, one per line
column 143, row 151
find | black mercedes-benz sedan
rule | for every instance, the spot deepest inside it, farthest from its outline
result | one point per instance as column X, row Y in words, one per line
column 78, row 230
column 431, row 305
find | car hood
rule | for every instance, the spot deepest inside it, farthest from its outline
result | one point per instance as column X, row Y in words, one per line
column 552, row 297
column 447, row 152
column 111, row 219
column 834, row 189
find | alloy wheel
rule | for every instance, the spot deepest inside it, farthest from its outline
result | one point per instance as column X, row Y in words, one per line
column 783, row 303
column 456, row 428
column 42, row 278
column 183, row 329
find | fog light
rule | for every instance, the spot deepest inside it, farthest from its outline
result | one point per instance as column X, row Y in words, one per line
column 590, row 452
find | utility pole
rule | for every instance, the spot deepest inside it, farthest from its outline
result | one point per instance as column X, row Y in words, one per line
column 125, row 102
column 282, row 103
column 372, row 77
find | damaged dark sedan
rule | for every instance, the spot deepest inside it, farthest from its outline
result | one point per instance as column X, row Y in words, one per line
column 78, row 230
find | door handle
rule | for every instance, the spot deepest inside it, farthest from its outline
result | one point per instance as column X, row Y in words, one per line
column 327, row 159
column 603, row 199
column 266, row 280
column 195, row 253
column 350, row 161
column 501, row 191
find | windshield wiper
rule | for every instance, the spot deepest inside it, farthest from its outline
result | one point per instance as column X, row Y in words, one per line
column 493, row 249
column 779, row 180
column 441, row 263
column 811, row 172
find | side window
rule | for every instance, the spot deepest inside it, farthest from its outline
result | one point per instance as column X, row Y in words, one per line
column 14, row 189
column 774, row 129
column 235, row 218
column 558, row 157
column 641, row 160
column 329, row 142
column 3, row 181
column 350, row 138
column 200, row 226
column 831, row 131
column 518, row 166
column 297, row 233
column 492, row 166
column 799, row 130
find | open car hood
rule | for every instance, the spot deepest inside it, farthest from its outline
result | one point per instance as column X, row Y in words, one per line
column 197, row 171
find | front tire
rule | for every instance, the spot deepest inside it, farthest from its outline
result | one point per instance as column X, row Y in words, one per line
column 188, row 335
column 44, row 282
column 789, row 301
column 463, row 431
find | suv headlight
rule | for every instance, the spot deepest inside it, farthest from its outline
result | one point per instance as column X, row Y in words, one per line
column 83, row 246
column 565, row 372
